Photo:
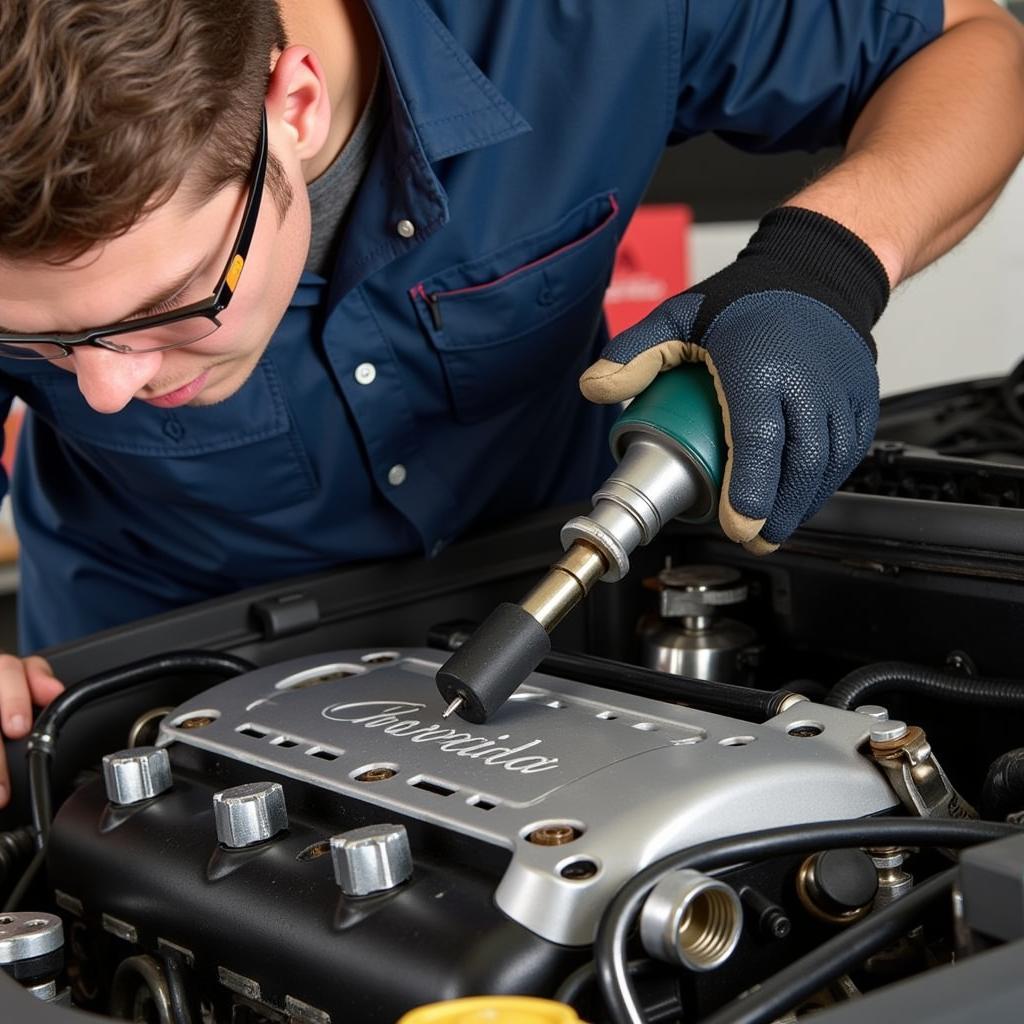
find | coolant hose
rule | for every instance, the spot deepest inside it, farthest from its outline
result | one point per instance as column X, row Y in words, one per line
column 54, row 716
column 863, row 684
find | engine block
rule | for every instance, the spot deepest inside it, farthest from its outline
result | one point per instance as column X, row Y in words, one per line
column 356, row 738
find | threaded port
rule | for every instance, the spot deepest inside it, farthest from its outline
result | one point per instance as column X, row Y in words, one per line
column 691, row 919
column 706, row 932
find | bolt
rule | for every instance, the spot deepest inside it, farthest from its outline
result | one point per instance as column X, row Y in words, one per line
column 199, row 722
column 884, row 732
column 875, row 711
column 553, row 835
column 376, row 775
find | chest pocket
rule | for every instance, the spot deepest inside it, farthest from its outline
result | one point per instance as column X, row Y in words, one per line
column 529, row 311
column 240, row 455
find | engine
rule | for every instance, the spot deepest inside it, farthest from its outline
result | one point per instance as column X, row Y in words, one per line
column 484, row 856
column 721, row 799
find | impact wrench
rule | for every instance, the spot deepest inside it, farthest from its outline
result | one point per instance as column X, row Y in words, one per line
column 671, row 451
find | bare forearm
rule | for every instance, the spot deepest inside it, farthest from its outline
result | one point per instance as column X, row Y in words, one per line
column 931, row 151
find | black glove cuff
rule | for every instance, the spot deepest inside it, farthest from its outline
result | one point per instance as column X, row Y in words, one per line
column 829, row 261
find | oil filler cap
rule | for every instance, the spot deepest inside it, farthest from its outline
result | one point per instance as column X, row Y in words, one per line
column 493, row 1010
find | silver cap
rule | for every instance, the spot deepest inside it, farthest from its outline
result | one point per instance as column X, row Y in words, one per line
column 139, row 773
column 893, row 729
column 371, row 859
column 875, row 711
column 25, row 935
column 249, row 814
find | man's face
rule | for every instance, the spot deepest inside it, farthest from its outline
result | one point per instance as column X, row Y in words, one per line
column 107, row 285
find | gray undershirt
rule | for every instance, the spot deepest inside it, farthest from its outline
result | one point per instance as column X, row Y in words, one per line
column 330, row 196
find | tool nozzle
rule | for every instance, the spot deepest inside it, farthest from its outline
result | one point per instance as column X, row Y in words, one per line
column 512, row 641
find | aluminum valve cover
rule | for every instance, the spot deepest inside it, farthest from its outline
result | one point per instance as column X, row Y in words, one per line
column 636, row 778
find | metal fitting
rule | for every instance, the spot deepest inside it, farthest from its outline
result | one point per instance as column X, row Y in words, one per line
column 914, row 772
column 249, row 814
column 26, row 936
column 691, row 919
column 893, row 881
column 566, row 584
column 887, row 730
column 371, row 859
column 654, row 483
column 136, row 774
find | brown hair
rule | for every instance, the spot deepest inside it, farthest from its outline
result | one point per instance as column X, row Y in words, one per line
column 106, row 105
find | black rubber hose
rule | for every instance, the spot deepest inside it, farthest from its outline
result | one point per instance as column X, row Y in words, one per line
column 52, row 718
column 722, row 698
column 16, row 848
column 177, row 989
column 620, row 915
column 576, row 983
column 27, row 878
column 1003, row 791
column 863, row 684
column 841, row 953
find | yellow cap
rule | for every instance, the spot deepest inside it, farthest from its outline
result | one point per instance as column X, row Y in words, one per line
column 493, row 1010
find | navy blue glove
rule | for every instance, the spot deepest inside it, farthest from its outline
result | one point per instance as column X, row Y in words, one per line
column 786, row 333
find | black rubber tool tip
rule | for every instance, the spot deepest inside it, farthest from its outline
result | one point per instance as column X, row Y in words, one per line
column 508, row 645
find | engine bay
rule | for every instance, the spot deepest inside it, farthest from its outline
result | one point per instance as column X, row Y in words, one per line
column 738, row 790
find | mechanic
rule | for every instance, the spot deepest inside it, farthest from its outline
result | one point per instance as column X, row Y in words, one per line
column 390, row 227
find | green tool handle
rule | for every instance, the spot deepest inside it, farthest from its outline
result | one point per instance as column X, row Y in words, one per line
column 682, row 406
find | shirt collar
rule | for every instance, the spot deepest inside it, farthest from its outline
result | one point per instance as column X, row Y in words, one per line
column 452, row 105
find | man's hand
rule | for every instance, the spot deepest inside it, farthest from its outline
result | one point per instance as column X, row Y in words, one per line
column 23, row 682
column 785, row 332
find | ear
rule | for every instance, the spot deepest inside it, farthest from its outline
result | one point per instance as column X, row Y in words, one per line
column 298, row 106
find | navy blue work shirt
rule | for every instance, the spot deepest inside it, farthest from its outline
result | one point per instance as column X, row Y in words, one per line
column 430, row 385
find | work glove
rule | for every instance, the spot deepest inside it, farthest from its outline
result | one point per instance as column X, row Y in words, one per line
column 785, row 333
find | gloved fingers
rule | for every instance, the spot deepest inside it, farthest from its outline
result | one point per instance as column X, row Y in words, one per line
column 633, row 358
column 844, row 454
column 866, row 419
column 805, row 462
column 606, row 381
column 752, row 468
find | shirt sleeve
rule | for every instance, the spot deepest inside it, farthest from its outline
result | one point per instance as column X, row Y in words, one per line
column 772, row 75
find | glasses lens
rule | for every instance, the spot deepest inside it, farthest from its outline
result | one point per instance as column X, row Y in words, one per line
column 45, row 350
column 172, row 335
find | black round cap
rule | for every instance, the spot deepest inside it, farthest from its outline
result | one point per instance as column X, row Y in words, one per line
column 846, row 880
column 507, row 646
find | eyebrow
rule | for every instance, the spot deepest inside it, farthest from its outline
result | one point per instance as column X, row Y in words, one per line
column 164, row 295
column 167, row 293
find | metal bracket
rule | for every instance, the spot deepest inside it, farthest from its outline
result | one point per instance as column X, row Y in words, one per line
column 917, row 777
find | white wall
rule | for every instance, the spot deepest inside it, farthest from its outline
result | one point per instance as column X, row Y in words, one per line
column 961, row 317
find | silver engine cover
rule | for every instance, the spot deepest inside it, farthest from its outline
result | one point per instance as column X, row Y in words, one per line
column 637, row 778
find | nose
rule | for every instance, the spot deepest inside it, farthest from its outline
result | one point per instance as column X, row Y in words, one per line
column 108, row 380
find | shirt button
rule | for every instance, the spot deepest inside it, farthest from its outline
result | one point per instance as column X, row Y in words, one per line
column 366, row 373
column 406, row 228
column 396, row 475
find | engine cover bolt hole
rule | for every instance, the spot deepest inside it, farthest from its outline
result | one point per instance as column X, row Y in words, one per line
column 554, row 835
column 315, row 850
column 803, row 730
column 579, row 870
column 736, row 741
column 377, row 774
